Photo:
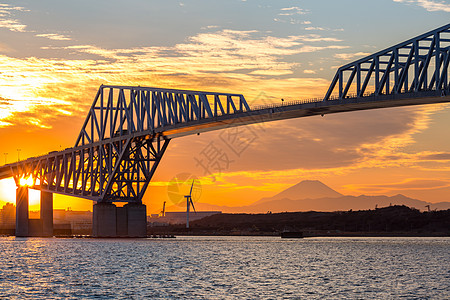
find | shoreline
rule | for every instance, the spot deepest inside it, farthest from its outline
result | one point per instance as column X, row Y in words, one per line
column 306, row 234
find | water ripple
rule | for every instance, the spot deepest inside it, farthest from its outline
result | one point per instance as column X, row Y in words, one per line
column 225, row 268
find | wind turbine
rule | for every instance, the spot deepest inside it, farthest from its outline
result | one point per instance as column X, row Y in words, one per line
column 188, row 204
column 163, row 212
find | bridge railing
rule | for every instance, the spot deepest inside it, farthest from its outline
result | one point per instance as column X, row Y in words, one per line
column 287, row 103
column 418, row 64
column 124, row 110
column 378, row 97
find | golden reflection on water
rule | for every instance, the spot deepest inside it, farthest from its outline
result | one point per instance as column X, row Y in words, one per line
column 225, row 267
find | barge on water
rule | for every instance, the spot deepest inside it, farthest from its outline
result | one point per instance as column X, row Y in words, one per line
column 292, row 235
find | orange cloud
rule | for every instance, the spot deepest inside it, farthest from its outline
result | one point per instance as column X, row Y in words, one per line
column 405, row 185
column 349, row 56
column 6, row 19
column 54, row 36
column 429, row 5
column 240, row 61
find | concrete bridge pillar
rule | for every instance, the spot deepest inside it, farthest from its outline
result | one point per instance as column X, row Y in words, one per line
column 127, row 221
column 122, row 221
column 33, row 227
column 22, row 211
column 104, row 220
column 137, row 219
column 47, row 213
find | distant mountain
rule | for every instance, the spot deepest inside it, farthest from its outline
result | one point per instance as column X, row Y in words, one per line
column 343, row 203
column 307, row 196
column 307, row 189
column 440, row 206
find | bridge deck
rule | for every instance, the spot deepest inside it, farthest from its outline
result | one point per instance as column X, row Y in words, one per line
column 270, row 113
column 299, row 110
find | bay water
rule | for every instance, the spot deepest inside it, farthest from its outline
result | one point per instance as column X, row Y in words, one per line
column 225, row 268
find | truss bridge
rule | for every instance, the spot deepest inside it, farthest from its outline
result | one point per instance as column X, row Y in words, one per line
column 128, row 128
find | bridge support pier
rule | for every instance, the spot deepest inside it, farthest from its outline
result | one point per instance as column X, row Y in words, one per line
column 137, row 219
column 22, row 211
column 25, row 226
column 104, row 220
column 127, row 221
column 47, row 214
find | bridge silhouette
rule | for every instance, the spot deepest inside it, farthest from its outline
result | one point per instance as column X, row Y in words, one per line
column 128, row 128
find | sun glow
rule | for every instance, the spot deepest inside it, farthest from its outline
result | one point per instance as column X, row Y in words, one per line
column 8, row 192
column 28, row 181
column 33, row 195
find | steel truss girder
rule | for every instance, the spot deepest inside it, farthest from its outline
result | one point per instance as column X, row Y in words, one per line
column 112, row 171
column 122, row 141
column 120, row 111
column 419, row 64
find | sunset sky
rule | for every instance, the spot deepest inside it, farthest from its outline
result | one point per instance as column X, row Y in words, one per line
column 54, row 54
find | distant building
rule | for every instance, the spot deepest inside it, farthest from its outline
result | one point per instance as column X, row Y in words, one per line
column 8, row 216
column 179, row 217
column 34, row 214
column 80, row 221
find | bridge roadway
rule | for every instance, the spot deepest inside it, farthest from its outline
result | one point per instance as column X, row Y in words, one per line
column 268, row 113
column 299, row 109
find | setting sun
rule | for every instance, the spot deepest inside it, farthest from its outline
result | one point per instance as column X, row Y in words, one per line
column 26, row 181
column 9, row 188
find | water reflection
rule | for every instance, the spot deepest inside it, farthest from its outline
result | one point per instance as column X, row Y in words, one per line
column 225, row 267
